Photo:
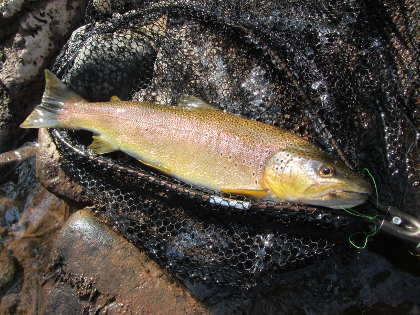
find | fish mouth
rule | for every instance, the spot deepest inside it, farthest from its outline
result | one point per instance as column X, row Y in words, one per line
column 356, row 198
column 332, row 192
column 338, row 199
column 367, row 193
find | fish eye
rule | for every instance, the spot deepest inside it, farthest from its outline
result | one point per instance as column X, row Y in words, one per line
column 326, row 171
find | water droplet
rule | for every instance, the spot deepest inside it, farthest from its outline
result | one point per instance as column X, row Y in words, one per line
column 316, row 85
column 396, row 220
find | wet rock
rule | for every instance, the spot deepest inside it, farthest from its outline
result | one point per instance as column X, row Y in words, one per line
column 29, row 240
column 61, row 300
column 110, row 274
column 38, row 35
column 43, row 213
column 15, row 156
column 5, row 118
column 8, row 304
column 15, row 186
column 5, row 205
column 7, row 268
column 11, row 159
column 31, row 36
column 50, row 174
column 9, row 8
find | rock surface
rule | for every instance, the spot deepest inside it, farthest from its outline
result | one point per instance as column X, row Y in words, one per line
column 51, row 176
column 110, row 275
column 7, row 268
column 31, row 216
column 32, row 32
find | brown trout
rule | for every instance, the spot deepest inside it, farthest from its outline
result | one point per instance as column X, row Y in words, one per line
column 206, row 147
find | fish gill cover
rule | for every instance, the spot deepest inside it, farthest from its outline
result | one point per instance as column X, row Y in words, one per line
column 338, row 73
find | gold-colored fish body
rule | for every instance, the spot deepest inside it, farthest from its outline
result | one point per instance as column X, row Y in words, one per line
column 199, row 146
column 205, row 147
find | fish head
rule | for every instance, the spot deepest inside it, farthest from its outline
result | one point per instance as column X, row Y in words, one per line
column 310, row 176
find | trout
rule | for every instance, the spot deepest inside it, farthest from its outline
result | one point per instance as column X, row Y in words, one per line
column 205, row 147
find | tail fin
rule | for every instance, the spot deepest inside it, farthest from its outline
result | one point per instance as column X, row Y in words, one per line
column 56, row 94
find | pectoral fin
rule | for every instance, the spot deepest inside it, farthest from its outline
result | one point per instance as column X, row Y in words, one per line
column 193, row 102
column 101, row 146
column 254, row 193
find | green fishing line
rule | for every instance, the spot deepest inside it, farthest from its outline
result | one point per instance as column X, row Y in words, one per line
column 367, row 235
column 369, row 218
column 374, row 184
column 358, row 214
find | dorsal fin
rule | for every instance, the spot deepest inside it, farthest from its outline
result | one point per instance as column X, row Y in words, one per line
column 57, row 91
column 115, row 98
column 192, row 102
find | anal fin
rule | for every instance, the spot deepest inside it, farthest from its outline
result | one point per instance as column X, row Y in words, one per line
column 254, row 193
column 101, row 146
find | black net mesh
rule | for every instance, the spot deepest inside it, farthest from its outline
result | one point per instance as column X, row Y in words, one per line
column 327, row 70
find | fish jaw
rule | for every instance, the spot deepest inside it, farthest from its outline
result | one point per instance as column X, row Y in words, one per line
column 340, row 199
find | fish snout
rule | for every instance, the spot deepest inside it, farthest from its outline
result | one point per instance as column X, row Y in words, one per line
column 355, row 194
column 361, row 186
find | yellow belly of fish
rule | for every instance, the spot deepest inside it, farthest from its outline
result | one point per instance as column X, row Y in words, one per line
column 195, row 165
